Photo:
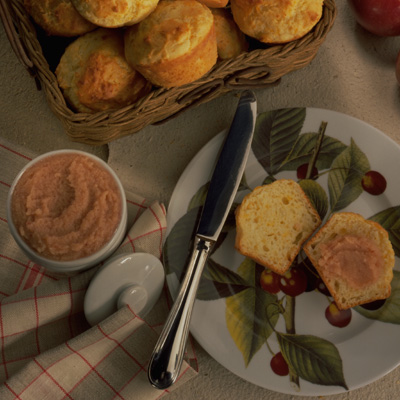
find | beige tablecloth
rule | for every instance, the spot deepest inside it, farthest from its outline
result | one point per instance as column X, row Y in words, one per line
column 48, row 350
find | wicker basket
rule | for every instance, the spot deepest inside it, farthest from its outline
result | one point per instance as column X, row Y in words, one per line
column 260, row 67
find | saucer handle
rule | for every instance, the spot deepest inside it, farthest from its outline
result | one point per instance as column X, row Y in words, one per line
column 134, row 279
column 135, row 296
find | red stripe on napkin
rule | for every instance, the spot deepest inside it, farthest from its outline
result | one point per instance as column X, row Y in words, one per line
column 18, row 153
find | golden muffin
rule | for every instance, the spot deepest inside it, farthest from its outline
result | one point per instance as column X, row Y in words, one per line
column 115, row 13
column 214, row 3
column 176, row 44
column 95, row 76
column 272, row 223
column 231, row 41
column 276, row 21
column 58, row 17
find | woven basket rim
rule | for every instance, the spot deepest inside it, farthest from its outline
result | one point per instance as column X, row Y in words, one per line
column 257, row 68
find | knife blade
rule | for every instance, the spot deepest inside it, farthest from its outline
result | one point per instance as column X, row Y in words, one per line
column 166, row 360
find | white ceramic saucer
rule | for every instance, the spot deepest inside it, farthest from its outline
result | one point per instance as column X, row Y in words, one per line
column 134, row 279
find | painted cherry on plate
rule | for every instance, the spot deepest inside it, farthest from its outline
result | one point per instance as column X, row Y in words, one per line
column 294, row 282
column 279, row 365
column 374, row 305
column 302, row 172
column 269, row 281
column 373, row 182
column 336, row 317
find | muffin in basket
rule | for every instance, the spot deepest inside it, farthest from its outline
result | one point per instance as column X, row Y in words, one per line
column 94, row 75
column 58, row 17
column 231, row 41
column 354, row 258
column 176, row 44
column 276, row 21
column 214, row 3
column 272, row 223
column 114, row 13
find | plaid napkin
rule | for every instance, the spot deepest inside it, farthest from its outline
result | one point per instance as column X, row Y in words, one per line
column 47, row 348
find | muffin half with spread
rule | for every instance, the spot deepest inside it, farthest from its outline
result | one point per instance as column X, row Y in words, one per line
column 354, row 258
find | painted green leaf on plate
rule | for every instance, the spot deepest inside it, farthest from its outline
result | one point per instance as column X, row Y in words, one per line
column 219, row 282
column 251, row 314
column 177, row 246
column 313, row 359
column 268, row 180
column 390, row 311
column 344, row 181
column 303, row 149
column 390, row 220
column 199, row 197
column 316, row 194
column 274, row 136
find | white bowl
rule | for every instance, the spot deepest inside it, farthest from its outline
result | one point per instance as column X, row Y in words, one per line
column 79, row 264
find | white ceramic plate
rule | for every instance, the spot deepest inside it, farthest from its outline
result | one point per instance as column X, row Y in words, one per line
column 348, row 357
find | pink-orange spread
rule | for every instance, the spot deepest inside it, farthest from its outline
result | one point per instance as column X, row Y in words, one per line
column 356, row 259
column 66, row 206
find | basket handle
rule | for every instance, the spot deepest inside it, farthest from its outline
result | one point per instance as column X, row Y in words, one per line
column 13, row 36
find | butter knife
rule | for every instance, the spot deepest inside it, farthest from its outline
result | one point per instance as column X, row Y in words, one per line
column 167, row 357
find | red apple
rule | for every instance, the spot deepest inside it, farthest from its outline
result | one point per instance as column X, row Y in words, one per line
column 380, row 17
